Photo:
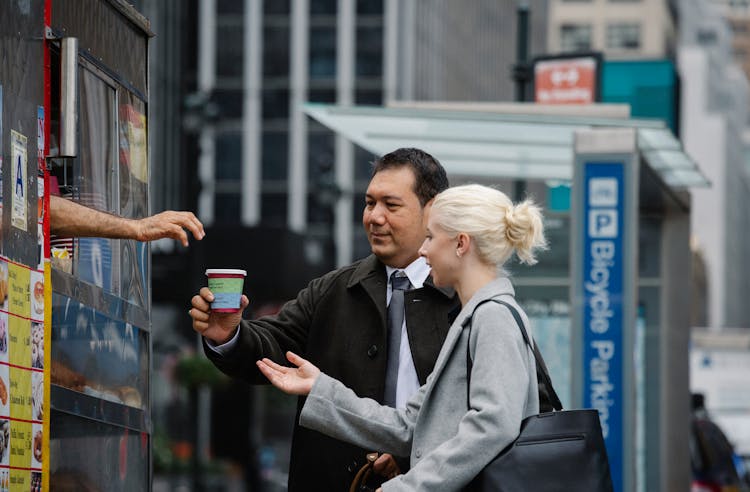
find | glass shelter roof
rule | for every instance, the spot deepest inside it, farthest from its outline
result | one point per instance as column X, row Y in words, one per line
column 507, row 141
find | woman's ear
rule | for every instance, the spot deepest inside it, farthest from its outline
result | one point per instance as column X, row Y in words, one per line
column 463, row 241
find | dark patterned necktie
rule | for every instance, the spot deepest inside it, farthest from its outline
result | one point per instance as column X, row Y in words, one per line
column 400, row 283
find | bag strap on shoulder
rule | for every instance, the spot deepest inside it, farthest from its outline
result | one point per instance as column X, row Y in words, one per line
column 546, row 390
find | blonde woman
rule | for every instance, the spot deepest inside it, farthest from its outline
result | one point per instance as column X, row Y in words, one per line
column 472, row 231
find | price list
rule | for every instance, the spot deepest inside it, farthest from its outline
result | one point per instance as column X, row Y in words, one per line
column 22, row 365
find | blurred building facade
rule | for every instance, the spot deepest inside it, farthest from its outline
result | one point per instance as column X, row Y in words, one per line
column 622, row 29
column 737, row 14
column 714, row 121
column 443, row 50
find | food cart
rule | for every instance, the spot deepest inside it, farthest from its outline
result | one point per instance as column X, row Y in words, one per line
column 74, row 312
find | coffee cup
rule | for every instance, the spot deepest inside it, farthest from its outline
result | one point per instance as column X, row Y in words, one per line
column 226, row 286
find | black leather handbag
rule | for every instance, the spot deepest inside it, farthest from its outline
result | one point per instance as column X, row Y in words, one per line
column 555, row 451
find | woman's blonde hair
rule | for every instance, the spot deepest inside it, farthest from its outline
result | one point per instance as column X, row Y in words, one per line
column 497, row 226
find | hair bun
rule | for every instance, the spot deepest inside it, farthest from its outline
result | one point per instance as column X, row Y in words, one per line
column 524, row 230
column 514, row 231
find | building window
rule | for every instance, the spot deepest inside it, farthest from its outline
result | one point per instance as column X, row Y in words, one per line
column 229, row 7
column 321, row 95
column 370, row 7
column 575, row 37
column 276, row 50
column 323, row 7
column 275, row 105
column 363, row 161
column 277, row 7
column 322, row 53
column 275, row 155
column 229, row 52
column 369, row 51
column 626, row 36
column 706, row 36
column 738, row 26
column 229, row 156
column 368, row 97
column 274, row 208
column 320, row 151
column 227, row 207
column 228, row 102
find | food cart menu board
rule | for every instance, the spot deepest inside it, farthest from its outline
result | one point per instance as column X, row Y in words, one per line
column 22, row 365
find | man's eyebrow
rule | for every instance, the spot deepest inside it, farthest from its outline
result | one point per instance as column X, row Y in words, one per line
column 385, row 197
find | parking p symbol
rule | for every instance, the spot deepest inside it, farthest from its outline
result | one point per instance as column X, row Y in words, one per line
column 603, row 223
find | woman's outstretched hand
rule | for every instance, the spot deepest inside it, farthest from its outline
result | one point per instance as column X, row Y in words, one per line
column 293, row 380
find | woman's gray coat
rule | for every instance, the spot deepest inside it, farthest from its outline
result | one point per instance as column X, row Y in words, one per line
column 448, row 445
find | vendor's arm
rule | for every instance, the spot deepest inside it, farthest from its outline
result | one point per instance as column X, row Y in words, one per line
column 71, row 219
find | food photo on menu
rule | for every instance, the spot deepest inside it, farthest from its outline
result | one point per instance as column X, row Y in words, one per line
column 37, row 396
column 37, row 295
column 3, row 285
column 36, row 446
column 37, row 345
column 4, row 441
column 3, row 335
column 4, row 390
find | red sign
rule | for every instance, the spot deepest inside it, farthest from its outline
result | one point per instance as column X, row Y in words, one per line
column 565, row 81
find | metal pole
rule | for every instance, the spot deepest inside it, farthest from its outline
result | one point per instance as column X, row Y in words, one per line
column 520, row 73
column 522, row 50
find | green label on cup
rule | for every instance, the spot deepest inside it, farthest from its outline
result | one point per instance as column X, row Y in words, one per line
column 227, row 292
column 220, row 285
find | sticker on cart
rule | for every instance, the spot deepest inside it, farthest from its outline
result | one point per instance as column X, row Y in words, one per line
column 18, row 183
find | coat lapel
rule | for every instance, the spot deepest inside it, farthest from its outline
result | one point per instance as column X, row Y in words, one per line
column 370, row 274
column 451, row 340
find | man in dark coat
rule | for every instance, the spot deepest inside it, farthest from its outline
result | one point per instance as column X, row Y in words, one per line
column 339, row 320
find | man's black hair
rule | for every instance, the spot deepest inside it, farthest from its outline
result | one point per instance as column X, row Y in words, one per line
column 430, row 178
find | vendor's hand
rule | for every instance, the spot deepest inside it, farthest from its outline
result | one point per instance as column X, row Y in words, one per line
column 217, row 327
column 386, row 466
column 293, row 380
column 169, row 224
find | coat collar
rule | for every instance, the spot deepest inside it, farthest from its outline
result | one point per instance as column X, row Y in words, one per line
column 368, row 269
column 497, row 287
column 372, row 271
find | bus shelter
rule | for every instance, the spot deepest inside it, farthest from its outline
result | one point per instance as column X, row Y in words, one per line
column 607, row 301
